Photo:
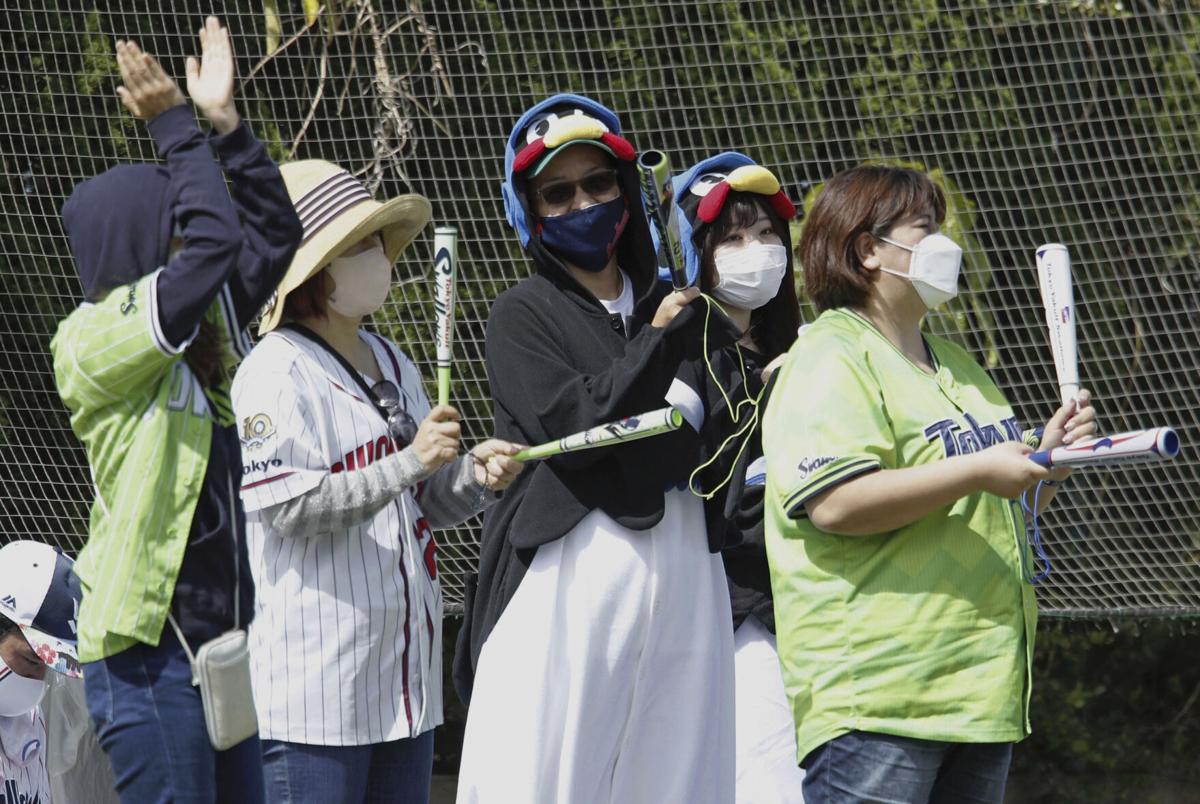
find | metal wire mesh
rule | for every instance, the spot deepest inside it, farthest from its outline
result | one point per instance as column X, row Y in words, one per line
column 1074, row 121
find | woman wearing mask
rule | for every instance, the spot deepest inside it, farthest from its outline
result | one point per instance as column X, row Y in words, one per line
column 342, row 490
column 598, row 638
column 734, row 228
column 897, row 544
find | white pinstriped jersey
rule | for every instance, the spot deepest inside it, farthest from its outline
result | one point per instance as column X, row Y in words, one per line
column 23, row 775
column 346, row 640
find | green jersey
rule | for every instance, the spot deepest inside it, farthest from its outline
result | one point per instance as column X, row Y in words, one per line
column 146, row 423
column 926, row 631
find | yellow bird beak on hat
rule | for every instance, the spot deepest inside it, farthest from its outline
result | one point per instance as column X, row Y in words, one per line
column 753, row 179
column 573, row 127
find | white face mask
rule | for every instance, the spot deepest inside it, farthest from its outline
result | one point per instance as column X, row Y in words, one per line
column 748, row 277
column 933, row 269
column 361, row 282
column 18, row 695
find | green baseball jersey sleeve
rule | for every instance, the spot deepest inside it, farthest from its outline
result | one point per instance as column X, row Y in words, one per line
column 105, row 352
column 852, row 435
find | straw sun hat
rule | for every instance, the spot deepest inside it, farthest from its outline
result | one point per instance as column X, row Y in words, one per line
column 336, row 211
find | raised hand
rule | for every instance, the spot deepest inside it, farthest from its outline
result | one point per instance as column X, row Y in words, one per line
column 210, row 78
column 672, row 303
column 147, row 90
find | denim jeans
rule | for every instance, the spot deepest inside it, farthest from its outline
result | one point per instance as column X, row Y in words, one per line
column 149, row 720
column 864, row 767
column 397, row 772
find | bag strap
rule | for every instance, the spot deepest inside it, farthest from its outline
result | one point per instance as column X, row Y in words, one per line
column 188, row 651
column 354, row 373
column 237, row 557
column 391, row 356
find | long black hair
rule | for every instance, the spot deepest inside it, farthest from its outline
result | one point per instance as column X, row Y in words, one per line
column 773, row 326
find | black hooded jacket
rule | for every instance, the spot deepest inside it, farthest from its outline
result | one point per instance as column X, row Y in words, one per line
column 558, row 363
column 738, row 510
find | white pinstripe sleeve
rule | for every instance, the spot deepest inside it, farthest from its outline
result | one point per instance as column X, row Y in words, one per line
column 282, row 456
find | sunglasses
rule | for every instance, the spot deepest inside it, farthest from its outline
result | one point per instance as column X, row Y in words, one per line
column 559, row 194
column 401, row 425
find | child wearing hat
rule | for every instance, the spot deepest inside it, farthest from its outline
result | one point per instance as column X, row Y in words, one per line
column 348, row 471
column 597, row 646
column 174, row 265
column 39, row 601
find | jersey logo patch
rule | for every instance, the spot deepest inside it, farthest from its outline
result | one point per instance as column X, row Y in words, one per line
column 364, row 454
column 129, row 306
column 809, row 465
column 256, row 430
column 958, row 439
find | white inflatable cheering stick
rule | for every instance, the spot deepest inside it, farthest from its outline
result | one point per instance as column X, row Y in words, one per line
column 445, row 269
column 1139, row 446
column 1058, row 299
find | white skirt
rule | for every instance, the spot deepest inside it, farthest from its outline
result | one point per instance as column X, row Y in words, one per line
column 609, row 676
column 767, row 769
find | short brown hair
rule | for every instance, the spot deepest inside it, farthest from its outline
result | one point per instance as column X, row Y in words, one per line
column 864, row 199
column 308, row 300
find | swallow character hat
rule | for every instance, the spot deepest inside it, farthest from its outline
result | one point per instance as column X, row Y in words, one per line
column 545, row 130
column 701, row 191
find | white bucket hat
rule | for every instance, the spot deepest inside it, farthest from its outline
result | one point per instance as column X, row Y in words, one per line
column 336, row 211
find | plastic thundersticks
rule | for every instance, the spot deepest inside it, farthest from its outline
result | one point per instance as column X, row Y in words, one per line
column 445, row 270
column 631, row 428
column 1138, row 446
column 1058, row 299
column 654, row 169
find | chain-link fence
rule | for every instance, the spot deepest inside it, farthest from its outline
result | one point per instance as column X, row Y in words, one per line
column 1075, row 121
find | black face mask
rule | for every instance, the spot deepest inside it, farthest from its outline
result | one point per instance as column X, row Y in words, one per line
column 588, row 237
